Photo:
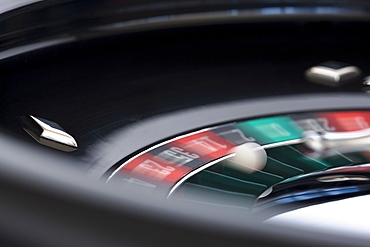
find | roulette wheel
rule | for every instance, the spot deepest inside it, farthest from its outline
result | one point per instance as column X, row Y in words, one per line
column 154, row 123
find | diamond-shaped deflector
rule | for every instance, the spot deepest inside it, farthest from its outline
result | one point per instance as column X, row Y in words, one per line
column 48, row 133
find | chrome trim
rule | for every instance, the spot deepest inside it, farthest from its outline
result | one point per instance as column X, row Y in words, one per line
column 195, row 171
column 151, row 148
column 319, row 142
column 284, row 143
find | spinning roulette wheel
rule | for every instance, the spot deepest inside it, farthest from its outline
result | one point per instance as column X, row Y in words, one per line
column 159, row 123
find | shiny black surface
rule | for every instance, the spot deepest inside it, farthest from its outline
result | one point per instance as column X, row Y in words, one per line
column 94, row 83
column 94, row 87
